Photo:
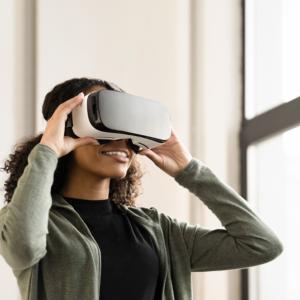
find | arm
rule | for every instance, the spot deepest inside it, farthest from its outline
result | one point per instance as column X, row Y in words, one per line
column 246, row 241
column 24, row 220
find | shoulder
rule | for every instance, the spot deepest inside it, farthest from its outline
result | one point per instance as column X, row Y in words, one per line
column 3, row 210
column 146, row 212
column 154, row 214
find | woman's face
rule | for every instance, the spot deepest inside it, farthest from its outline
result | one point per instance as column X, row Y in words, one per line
column 90, row 159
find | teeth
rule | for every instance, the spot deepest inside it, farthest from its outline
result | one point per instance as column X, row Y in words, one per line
column 119, row 153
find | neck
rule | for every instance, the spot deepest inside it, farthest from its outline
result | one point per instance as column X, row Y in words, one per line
column 85, row 185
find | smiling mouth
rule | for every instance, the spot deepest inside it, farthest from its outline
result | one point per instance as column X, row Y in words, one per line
column 117, row 157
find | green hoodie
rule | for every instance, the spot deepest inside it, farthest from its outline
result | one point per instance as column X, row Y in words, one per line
column 54, row 256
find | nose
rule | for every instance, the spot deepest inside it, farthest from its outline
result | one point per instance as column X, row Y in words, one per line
column 126, row 142
column 122, row 141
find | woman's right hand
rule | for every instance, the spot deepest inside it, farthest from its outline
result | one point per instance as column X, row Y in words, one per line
column 54, row 137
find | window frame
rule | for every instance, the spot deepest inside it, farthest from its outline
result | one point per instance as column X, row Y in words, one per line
column 262, row 126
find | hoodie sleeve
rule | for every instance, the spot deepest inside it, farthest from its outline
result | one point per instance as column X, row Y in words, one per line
column 247, row 241
column 24, row 220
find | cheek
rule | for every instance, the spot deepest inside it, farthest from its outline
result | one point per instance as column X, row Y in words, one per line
column 86, row 159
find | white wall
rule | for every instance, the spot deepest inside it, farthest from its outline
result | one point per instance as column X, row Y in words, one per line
column 183, row 53
column 216, row 102
column 17, row 109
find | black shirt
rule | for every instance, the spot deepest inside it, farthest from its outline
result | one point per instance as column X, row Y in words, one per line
column 129, row 262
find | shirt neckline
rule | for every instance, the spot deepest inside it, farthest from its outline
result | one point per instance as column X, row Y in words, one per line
column 89, row 207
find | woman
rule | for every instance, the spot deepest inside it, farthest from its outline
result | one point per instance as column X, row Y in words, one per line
column 71, row 229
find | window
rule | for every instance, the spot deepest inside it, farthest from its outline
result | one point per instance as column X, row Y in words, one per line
column 272, row 53
column 270, row 139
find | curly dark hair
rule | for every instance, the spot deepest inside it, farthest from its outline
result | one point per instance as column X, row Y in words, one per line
column 121, row 191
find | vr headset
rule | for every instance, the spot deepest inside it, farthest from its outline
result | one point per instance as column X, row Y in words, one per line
column 112, row 114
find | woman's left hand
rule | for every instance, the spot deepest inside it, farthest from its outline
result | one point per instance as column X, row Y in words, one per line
column 172, row 156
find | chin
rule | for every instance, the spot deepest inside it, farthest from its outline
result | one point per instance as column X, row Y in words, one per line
column 114, row 175
column 117, row 177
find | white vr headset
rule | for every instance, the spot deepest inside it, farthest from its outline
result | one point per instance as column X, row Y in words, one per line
column 112, row 115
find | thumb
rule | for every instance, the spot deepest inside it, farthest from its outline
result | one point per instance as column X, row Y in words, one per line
column 151, row 154
column 144, row 152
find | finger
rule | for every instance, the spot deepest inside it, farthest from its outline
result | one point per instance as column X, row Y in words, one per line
column 151, row 154
column 173, row 133
column 70, row 104
column 66, row 107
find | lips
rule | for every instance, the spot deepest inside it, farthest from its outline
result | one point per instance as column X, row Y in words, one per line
column 119, row 149
column 117, row 158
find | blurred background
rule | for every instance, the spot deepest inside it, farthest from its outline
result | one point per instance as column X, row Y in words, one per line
column 228, row 71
